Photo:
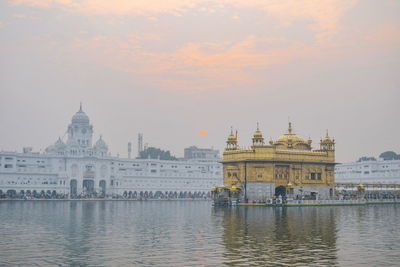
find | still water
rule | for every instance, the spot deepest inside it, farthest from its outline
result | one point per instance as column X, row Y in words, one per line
column 193, row 233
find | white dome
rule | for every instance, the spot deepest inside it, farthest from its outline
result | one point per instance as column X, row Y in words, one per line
column 100, row 144
column 59, row 144
column 80, row 117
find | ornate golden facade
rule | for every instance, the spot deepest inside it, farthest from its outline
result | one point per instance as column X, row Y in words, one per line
column 287, row 167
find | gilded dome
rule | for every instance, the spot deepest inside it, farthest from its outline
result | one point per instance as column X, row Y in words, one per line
column 290, row 137
column 327, row 139
column 231, row 137
column 257, row 134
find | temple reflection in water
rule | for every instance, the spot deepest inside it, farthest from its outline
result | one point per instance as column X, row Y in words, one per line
column 259, row 236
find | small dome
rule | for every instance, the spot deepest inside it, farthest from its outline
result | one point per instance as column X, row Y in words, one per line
column 80, row 116
column 257, row 134
column 327, row 139
column 59, row 144
column 271, row 142
column 231, row 137
column 309, row 141
column 100, row 144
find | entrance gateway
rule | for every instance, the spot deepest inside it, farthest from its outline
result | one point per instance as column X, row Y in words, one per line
column 88, row 186
column 280, row 191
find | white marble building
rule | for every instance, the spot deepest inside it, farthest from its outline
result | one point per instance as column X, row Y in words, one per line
column 77, row 167
column 369, row 172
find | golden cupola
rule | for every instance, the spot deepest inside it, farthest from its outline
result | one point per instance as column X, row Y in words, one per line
column 258, row 139
column 292, row 141
column 231, row 143
column 327, row 143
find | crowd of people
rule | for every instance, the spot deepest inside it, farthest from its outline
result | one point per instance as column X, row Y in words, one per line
column 27, row 195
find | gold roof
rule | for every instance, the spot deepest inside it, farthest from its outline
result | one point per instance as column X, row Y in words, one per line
column 326, row 139
column 294, row 138
column 232, row 137
column 257, row 133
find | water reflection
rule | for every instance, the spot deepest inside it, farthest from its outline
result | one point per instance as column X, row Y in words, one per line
column 287, row 236
column 191, row 233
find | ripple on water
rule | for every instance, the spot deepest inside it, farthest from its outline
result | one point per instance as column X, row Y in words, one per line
column 191, row 233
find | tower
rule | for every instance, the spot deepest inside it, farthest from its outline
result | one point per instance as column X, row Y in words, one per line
column 80, row 132
column 327, row 144
column 258, row 139
column 129, row 150
column 140, row 143
column 231, row 143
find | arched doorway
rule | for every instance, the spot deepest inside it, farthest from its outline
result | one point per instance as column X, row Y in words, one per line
column 280, row 191
column 11, row 193
column 102, row 185
column 73, row 185
column 88, row 186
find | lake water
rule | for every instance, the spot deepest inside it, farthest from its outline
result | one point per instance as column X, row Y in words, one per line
column 193, row 233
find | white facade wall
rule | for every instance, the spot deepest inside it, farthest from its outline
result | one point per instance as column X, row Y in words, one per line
column 77, row 161
column 374, row 172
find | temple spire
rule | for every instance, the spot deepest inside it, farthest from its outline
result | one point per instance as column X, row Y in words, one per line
column 290, row 127
column 80, row 107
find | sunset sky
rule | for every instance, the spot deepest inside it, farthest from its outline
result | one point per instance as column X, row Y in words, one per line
column 171, row 68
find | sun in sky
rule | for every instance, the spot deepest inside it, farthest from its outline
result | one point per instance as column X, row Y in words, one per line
column 203, row 132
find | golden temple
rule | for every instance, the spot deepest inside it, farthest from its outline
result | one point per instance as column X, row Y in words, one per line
column 285, row 168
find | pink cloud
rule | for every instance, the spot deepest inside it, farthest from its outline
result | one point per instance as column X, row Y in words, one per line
column 324, row 14
column 193, row 66
column 200, row 65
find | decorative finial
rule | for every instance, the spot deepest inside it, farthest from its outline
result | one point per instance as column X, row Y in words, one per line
column 258, row 127
column 231, row 130
column 290, row 127
column 80, row 107
column 101, row 137
column 327, row 134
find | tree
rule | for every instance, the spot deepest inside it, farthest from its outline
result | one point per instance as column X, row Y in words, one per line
column 389, row 155
column 156, row 153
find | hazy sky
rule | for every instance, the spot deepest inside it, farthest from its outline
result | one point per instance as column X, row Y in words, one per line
column 169, row 68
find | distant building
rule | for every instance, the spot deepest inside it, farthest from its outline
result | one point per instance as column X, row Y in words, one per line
column 194, row 152
column 285, row 167
column 77, row 167
column 378, row 171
